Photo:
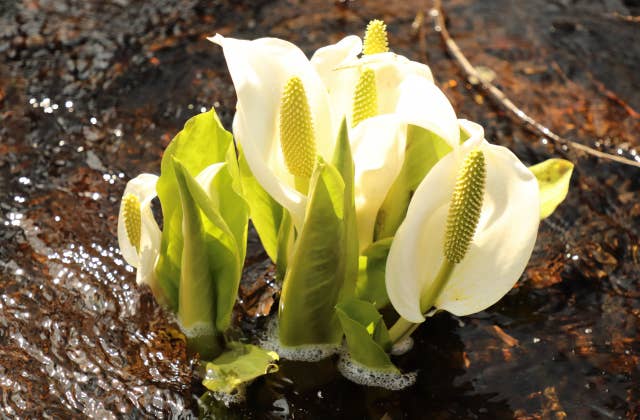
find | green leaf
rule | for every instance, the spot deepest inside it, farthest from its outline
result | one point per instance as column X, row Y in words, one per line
column 464, row 136
column 424, row 148
column 343, row 161
column 371, row 285
column 553, row 176
column 225, row 192
column 201, row 142
column 238, row 366
column 315, row 274
column 211, row 264
column 286, row 238
column 266, row 213
column 366, row 334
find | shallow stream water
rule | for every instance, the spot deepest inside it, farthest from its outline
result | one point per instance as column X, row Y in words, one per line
column 91, row 92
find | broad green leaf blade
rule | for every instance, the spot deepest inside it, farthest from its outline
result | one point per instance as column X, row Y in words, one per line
column 553, row 177
column 226, row 256
column 203, row 141
column 371, row 282
column 315, row 274
column 378, row 249
column 366, row 334
column 286, row 238
column 225, row 191
column 424, row 148
column 266, row 213
column 239, row 365
column 212, row 258
column 343, row 161
column 197, row 306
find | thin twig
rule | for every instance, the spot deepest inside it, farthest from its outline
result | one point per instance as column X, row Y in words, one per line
column 626, row 18
column 501, row 98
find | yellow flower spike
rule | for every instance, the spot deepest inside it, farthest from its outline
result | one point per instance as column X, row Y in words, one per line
column 297, row 137
column 365, row 97
column 132, row 219
column 466, row 203
column 375, row 38
column 492, row 244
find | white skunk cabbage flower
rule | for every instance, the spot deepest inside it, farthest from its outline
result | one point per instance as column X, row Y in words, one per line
column 378, row 146
column 367, row 86
column 468, row 234
column 289, row 110
column 138, row 233
column 283, row 118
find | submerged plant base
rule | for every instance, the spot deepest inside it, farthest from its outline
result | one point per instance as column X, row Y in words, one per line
column 363, row 375
column 310, row 353
column 201, row 339
column 402, row 347
column 349, row 368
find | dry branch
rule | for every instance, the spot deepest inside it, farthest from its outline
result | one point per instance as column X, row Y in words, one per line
column 501, row 98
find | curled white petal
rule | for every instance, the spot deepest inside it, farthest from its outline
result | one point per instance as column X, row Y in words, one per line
column 142, row 187
column 475, row 132
column 378, row 146
column 423, row 104
column 275, row 179
column 500, row 249
column 149, row 251
column 206, row 176
column 327, row 60
column 390, row 70
column 259, row 70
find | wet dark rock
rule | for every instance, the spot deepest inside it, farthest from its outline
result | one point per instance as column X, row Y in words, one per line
column 78, row 337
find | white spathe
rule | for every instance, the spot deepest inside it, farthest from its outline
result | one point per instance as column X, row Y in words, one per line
column 390, row 69
column 143, row 187
column 259, row 70
column 422, row 103
column 501, row 246
column 326, row 61
column 378, row 146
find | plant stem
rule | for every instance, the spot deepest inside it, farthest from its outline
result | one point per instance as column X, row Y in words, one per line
column 430, row 295
column 403, row 328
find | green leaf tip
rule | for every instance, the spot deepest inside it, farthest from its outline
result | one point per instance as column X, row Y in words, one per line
column 366, row 335
column 465, row 206
column 554, row 176
column 315, row 276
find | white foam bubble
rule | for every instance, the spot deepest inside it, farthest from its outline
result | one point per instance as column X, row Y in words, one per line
column 310, row 353
column 363, row 375
column 199, row 329
column 230, row 399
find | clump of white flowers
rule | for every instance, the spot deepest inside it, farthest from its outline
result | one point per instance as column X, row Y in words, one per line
column 365, row 189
